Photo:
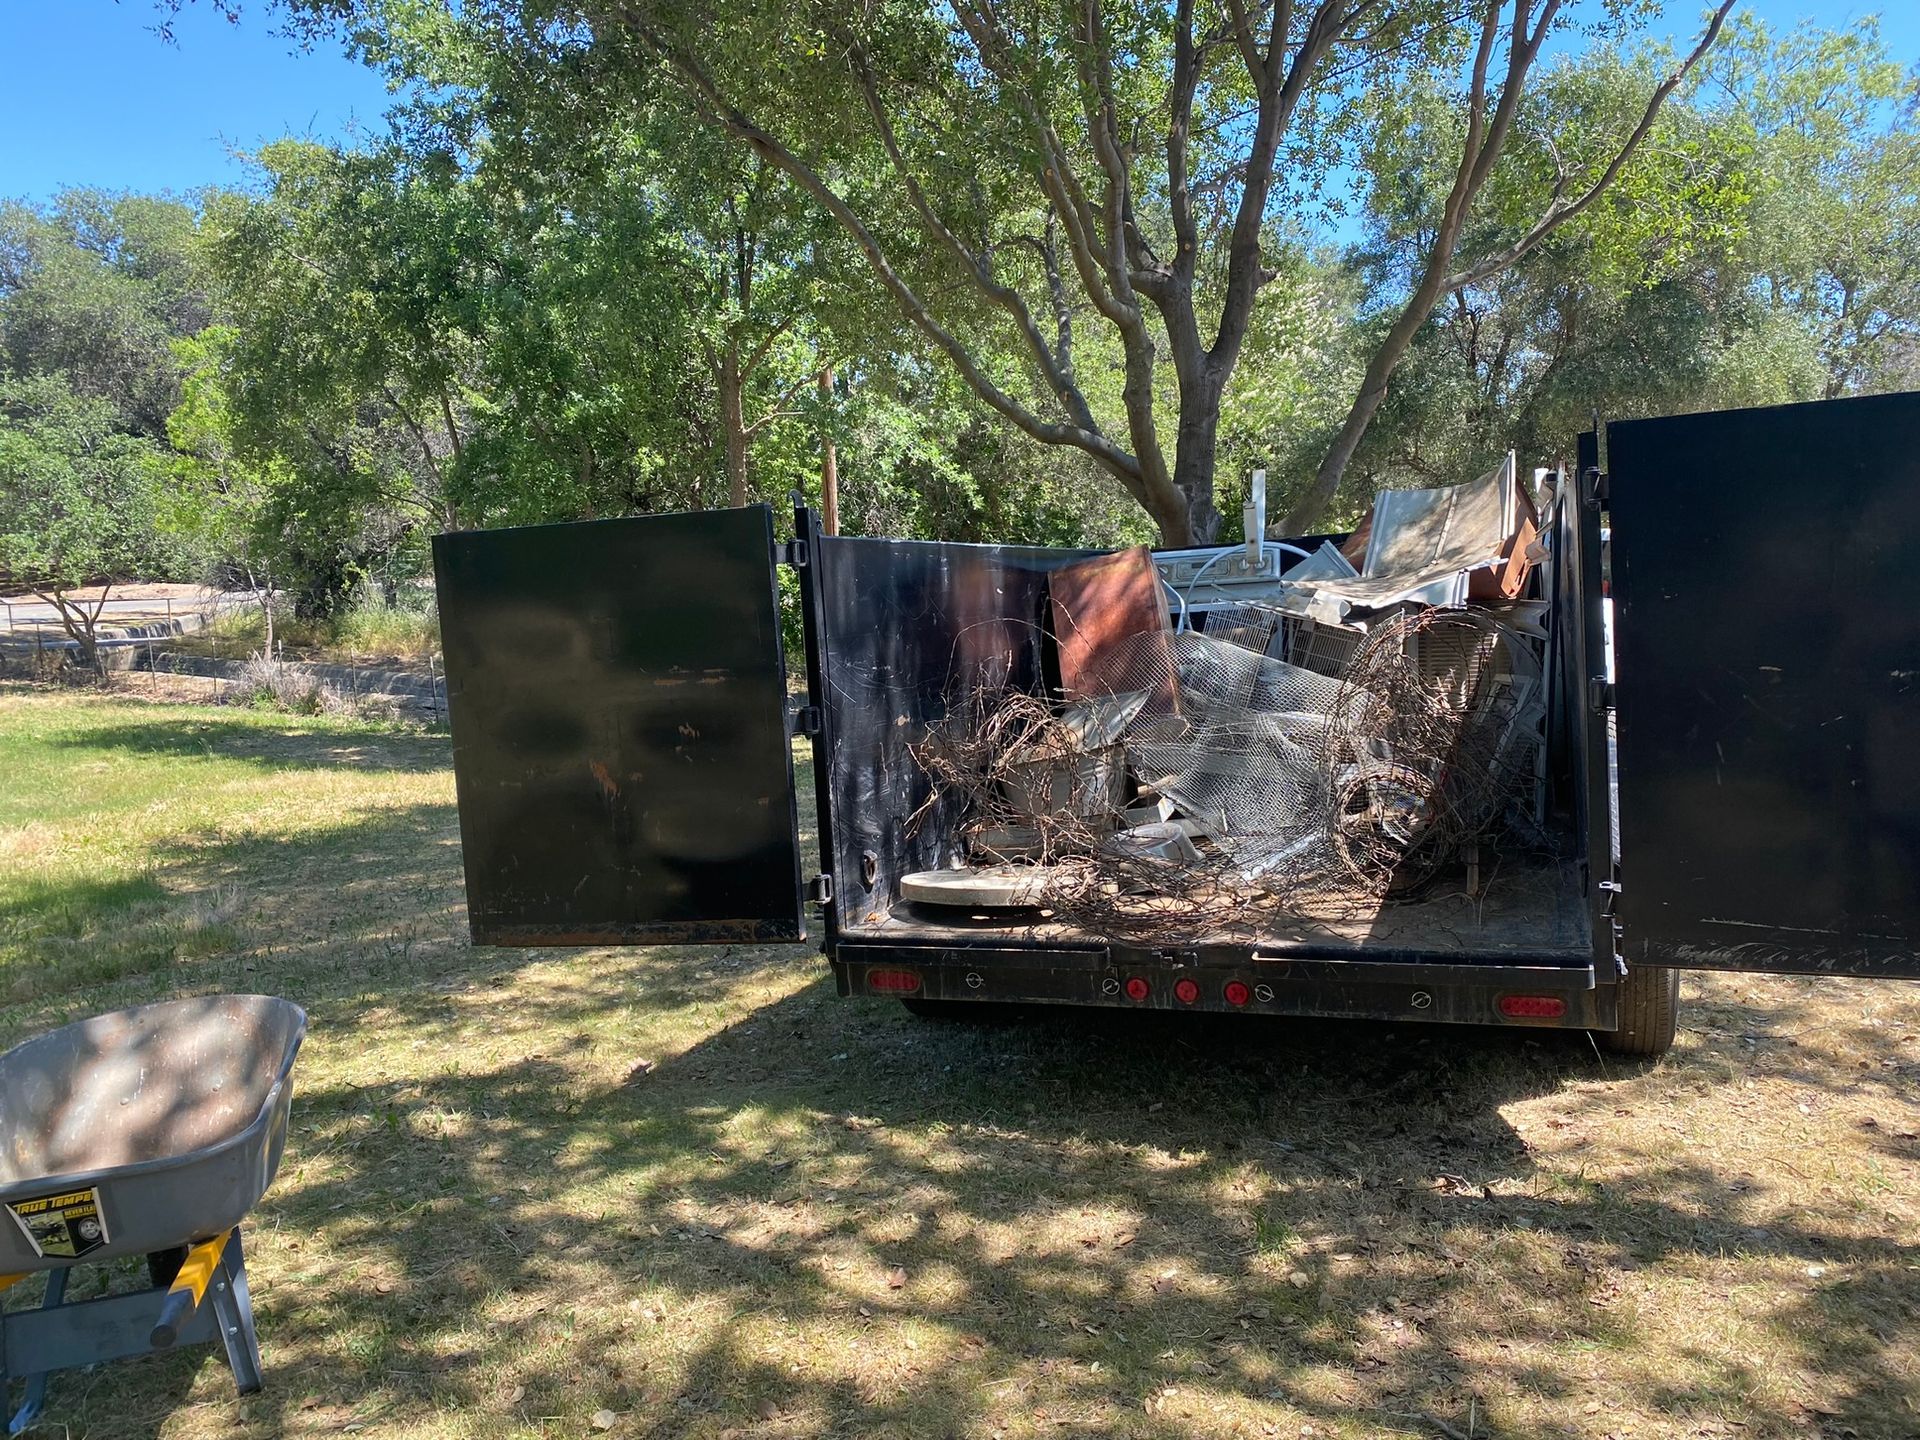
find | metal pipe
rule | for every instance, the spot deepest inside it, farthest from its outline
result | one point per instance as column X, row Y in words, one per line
column 1255, row 520
column 184, row 1295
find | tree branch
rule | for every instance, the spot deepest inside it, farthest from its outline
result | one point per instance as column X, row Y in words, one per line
column 1277, row 103
column 1005, row 296
column 1186, row 80
column 729, row 118
column 752, row 362
column 414, row 429
column 1559, row 211
column 1103, row 125
column 1243, row 40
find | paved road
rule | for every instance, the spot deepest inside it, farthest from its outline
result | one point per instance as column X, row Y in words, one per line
column 23, row 617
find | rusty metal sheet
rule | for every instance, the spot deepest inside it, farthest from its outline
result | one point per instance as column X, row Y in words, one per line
column 1508, row 579
column 620, row 731
column 1099, row 602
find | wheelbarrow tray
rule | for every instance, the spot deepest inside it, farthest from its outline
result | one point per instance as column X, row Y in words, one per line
column 142, row 1129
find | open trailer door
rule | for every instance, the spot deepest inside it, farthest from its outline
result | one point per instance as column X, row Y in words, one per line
column 620, row 731
column 1768, row 686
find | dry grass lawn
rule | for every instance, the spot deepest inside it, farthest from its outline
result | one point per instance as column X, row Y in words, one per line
column 689, row 1193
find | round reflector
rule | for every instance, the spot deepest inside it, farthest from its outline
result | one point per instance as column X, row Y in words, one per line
column 1137, row 989
column 1186, row 991
column 1237, row 992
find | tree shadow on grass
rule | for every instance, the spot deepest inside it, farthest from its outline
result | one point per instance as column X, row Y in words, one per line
column 276, row 743
column 1144, row 1224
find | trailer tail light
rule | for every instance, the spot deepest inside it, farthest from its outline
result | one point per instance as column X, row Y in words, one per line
column 1237, row 992
column 893, row 982
column 1137, row 988
column 1186, row 991
column 1532, row 1007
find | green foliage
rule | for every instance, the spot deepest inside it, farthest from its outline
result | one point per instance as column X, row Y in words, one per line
column 551, row 290
column 1710, row 277
column 1834, row 238
column 95, row 287
column 77, row 496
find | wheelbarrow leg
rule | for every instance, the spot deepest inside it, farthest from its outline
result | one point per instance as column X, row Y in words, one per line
column 233, row 1310
column 36, row 1396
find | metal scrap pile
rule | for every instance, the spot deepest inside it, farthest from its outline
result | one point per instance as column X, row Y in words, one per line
column 1333, row 739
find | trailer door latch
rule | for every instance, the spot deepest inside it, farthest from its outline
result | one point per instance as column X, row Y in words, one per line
column 820, row 890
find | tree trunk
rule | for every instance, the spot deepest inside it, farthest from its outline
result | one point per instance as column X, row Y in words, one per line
column 76, row 622
column 733, row 424
column 829, row 464
column 1195, row 445
column 1312, row 504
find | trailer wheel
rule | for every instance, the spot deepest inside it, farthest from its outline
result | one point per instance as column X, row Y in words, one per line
column 1649, row 1012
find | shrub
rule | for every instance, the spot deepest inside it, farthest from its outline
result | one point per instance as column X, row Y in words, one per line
column 268, row 684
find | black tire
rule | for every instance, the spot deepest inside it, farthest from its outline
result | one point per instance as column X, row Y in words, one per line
column 1649, row 1012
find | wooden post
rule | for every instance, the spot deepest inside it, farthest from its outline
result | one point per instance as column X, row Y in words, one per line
column 829, row 464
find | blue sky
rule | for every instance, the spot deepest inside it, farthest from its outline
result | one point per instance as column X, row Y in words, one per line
column 94, row 97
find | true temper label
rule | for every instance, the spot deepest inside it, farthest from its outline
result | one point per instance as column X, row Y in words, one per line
column 68, row 1225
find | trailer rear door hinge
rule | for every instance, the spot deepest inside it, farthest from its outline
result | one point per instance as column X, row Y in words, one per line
column 807, row 720
column 1598, row 490
column 791, row 552
column 1599, row 695
column 820, row 890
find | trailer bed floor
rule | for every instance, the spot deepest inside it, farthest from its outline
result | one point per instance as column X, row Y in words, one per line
column 1527, row 909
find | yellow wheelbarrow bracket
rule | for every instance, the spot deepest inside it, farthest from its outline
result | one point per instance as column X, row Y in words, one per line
column 184, row 1295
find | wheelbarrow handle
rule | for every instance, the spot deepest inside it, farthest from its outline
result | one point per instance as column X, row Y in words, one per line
column 183, row 1296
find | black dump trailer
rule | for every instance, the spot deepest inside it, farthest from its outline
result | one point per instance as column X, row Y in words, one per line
column 1726, row 770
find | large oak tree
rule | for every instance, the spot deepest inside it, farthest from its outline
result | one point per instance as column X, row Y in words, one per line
column 1128, row 163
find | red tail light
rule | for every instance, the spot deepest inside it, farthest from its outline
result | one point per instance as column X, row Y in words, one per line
column 1237, row 992
column 1186, row 991
column 1137, row 988
column 893, row 982
column 1532, row 1007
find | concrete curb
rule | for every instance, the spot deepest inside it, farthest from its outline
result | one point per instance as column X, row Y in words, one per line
column 426, row 690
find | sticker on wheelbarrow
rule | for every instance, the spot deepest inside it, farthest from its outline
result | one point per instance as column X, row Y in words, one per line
column 68, row 1225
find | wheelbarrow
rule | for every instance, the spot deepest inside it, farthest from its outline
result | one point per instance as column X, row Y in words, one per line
column 150, row 1131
